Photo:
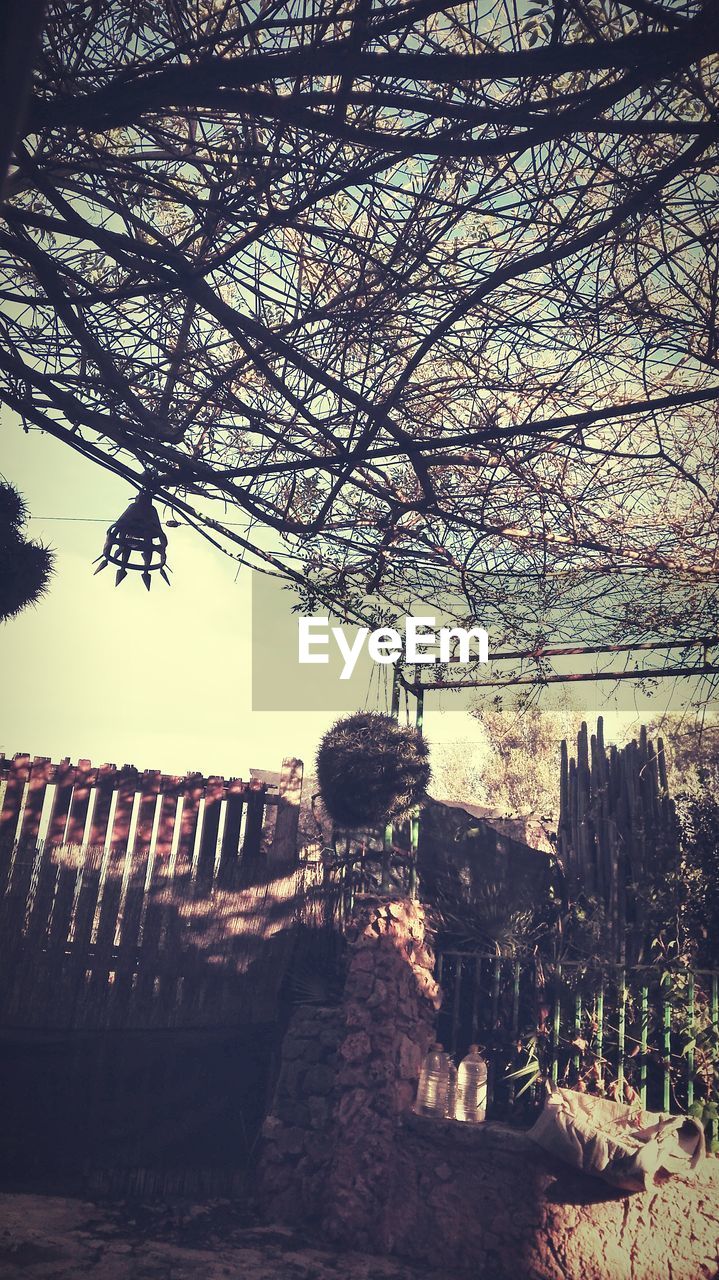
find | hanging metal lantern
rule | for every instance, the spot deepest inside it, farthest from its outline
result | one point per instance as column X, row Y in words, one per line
column 136, row 541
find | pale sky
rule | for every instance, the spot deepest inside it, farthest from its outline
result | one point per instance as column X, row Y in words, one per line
column 159, row 680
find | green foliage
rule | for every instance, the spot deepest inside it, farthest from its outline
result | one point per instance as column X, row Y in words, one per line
column 667, row 1041
column 520, row 771
column 491, row 923
column 581, row 933
column 698, row 908
column 682, row 899
column 691, row 752
column 581, row 1046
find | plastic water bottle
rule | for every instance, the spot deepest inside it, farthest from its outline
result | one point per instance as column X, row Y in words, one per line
column 451, row 1090
column 433, row 1088
column 472, row 1088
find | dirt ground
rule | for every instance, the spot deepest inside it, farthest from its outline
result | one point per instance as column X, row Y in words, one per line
column 51, row 1237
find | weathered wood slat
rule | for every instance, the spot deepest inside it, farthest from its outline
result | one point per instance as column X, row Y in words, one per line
column 251, row 858
column 132, row 907
column 64, row 780
column 192, row 794
column 109, row 901
column 284, row 844
column 106, row 782
column 13, row 917
column 229, row 852
column 214, row 792
column 169, row 794
column 32, row 974
column 71, row 951
column 69, row 866
column 126, row 790
column 41, row 772
column 16, row 779
column 84, row 779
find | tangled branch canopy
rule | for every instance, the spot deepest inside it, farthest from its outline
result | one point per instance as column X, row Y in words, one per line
column 388, row 297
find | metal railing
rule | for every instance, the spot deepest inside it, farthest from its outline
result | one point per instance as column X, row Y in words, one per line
column 365, row 863
column 627, row 1032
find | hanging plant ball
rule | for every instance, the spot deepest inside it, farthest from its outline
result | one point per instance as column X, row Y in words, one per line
column 25, row 567
column 371, row 770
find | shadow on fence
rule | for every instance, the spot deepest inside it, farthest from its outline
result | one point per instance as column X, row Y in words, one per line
column 86, row 941
column 141, row 1013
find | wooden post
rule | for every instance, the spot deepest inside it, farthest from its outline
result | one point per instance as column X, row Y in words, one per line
column 389, row 828
column 283, row 851
column 414, row 820
column 192, row 788
column 252, row 860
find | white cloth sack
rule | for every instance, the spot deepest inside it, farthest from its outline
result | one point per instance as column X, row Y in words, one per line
column 628, row 1147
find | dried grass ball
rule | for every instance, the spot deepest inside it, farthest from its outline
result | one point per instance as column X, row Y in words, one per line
column 371, row 770
column 25, row 567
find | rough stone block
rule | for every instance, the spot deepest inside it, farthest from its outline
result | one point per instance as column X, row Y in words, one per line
column 500, row 1203
column 352, row 1077
column 359, row 985
column 293, row 1048
column 358, row 1015
column 319, row 1109
column 379, row 995
column 405, row 1093
column 356, row 1047
column 321, row 1081
column 352, row 1104
column 313, row 1052
column 409, row 1058
column 294, row 1113
column 290, row 1081
column 363, row 958
column 290, row 1141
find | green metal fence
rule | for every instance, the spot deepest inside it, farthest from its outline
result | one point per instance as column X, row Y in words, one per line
column 627, row 1032
column 363, row 862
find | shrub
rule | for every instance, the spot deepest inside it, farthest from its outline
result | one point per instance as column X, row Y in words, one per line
column 371, row 770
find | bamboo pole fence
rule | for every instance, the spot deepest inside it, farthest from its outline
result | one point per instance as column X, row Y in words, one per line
column 617, row 830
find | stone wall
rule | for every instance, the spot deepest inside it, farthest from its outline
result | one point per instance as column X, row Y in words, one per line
column 344, row 1153
column 487, row 1199
column 390, row 1005
column 348, row 1075
column 298, row 1132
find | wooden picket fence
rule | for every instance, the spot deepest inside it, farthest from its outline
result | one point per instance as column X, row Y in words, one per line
column 152, row 901
column 180, row 817
column 149, row 930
